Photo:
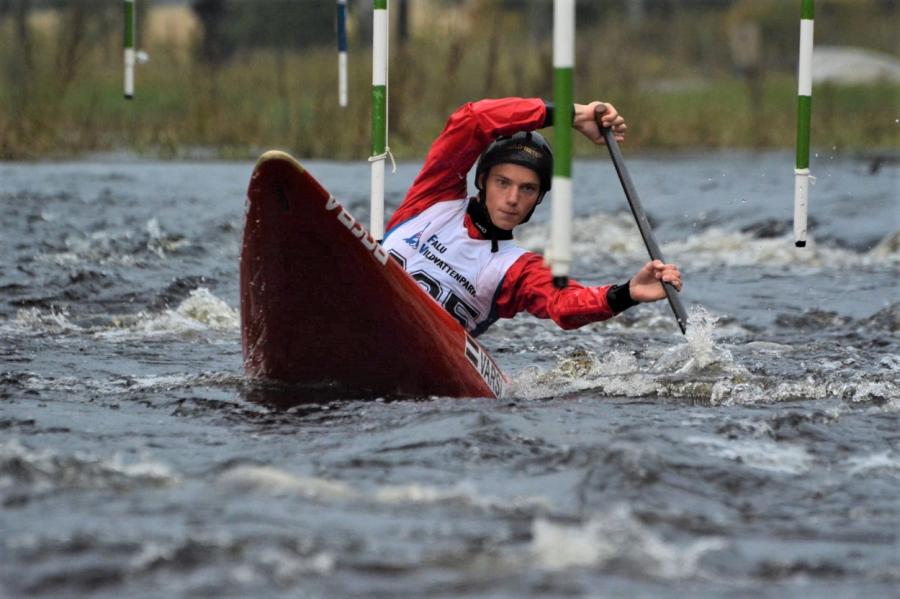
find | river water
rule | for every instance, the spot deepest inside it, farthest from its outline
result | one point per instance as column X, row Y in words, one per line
column 757, row 456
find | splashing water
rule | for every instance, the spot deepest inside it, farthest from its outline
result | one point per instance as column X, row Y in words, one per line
column 200, row 312
column 699, row 354
column 204, row 307
column 52, row 321
column 616, row 539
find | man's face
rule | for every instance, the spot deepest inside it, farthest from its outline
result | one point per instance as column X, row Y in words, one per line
column 511, row 191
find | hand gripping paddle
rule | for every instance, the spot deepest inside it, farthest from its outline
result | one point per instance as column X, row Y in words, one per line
column 640, row 217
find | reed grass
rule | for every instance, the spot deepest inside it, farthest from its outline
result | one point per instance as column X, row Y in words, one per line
column 287, row 99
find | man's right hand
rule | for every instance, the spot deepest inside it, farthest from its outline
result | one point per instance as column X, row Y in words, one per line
column 646, row 285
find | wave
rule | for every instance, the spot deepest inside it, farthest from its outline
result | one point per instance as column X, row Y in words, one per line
column 191, row 562
column 762, row 454
column 607, row 235
column 882, row 462
column 700, row 368
column 125, row 384
column 616, row 541
column 24, row 468
column 116, row 247
column 719, row 383
column 718, row 247
column 615, row 237
column 199, row 313
column 274, row 481
column 35, row 320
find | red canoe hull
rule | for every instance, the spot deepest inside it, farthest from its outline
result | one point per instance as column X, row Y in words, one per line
column 322, row 303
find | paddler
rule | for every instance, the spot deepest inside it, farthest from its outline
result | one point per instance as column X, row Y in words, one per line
column 461, row 249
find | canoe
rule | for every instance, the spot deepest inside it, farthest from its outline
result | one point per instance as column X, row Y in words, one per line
column 322, row 303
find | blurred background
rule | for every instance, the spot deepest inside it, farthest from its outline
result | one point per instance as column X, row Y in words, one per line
column 229, row 78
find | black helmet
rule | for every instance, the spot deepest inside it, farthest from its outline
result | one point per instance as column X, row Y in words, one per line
column 525, row 148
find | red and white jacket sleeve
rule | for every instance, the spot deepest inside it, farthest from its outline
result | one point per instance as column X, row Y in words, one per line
column 528, row 286
column 467, row 133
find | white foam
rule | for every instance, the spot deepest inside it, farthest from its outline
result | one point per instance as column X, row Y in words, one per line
column 616, row 373
column 713, row 248
column 118, row 385
column 101, row 247
column 762, row 454
column 158, row 242
column 697, row 367
column 263, row 563
column 889, row 247
column 619, row 237
column 699, row 351
column 200, row 312
column 278, row 482
column 877, row 462
column 268, row 479
column 50, row 469
column 463, row 493
column 38, row 321
column 768, row 347
column 716, row 247
column 616, row 538
column 204, row 307
column 674, row 373
column 890, row 361
column 872, row 390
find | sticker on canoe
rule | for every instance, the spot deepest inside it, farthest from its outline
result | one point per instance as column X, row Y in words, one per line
column 485, row 366
column 358, row 231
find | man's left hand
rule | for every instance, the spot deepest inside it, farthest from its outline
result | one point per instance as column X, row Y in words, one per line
column 585, row 121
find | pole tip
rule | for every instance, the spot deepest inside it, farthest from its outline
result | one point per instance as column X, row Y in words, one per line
column 129, row 96
column 560, row 282
column 800, row 244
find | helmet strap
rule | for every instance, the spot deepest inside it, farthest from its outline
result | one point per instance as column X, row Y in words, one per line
column 481, row 218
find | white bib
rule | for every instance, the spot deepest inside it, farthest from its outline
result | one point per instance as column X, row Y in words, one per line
column 461, row 273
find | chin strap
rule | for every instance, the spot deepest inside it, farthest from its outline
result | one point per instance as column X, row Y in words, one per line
column 477, row 211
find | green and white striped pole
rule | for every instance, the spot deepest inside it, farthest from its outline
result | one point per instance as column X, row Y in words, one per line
column 560, row 254
column 804, row 113
column 129, row 49
column 342, row 52
column 379, row 115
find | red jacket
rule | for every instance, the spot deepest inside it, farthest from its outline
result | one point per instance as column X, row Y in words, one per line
column 528, row 284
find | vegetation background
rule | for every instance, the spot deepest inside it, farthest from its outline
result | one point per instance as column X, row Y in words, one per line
column 228, row 78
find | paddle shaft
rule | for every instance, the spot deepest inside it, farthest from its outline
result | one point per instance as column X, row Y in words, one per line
column 643, row 224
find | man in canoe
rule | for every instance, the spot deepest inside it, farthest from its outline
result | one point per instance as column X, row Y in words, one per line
column 461, row 249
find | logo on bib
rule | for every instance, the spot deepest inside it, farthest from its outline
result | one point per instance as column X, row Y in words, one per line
column 413, row 241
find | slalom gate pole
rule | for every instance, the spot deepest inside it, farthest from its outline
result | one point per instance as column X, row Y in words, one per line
column 129, row 49
column 643, row 223
column 804, row 114
column 380, row 148
column 560, row 250
column 342, row 52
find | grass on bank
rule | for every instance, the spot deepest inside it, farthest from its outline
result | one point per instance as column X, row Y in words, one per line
column 265, row 99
